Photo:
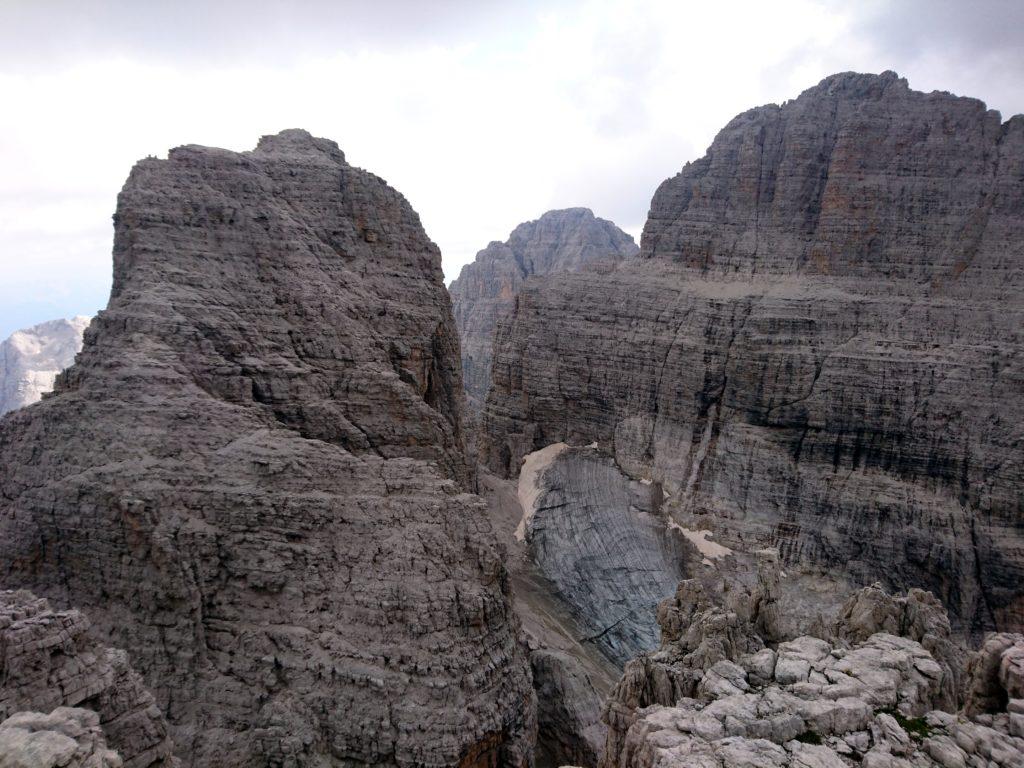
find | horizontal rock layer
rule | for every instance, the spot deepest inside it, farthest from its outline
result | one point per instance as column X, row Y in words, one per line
column 55, row 679
column 254, row 476
column 485, row 290
column 819, row 350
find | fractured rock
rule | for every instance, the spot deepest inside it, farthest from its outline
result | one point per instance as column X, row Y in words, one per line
column 254, row 476
column 485, row 290
column 818, row 350
column 49, row 663
column 66, row 738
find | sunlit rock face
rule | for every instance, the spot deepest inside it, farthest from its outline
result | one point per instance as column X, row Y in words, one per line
column 559, row 241
column 876, row 689
column 254, row 476
column 30, row 360
column 819, row 349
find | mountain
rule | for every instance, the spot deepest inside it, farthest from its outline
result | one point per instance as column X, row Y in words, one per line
column 254, row 477
column 485, row 291
column 820, row 348
column 30, row 359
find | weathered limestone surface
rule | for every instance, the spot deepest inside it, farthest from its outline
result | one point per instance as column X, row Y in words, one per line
column 30, row 360
column 49, row 662
column 66, row 738
column 254, row 476
column 559, row 241
column 820, row 348
column 715, row 695
column 598, row 537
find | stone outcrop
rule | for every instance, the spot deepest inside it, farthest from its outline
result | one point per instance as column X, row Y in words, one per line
column 819, row 348
column 49, row 664
column 65, row 738
column 254, row 475
column 30, row 360
column 996, row 676
column 485, row 290
column 717, row 695
column 918, row 615
column 570, row 731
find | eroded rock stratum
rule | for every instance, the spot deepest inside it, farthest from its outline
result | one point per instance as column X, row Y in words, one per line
column 254, row 477
column 819, row 348
column 485, row 290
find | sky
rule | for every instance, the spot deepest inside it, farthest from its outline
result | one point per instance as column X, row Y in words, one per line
column 482, row 114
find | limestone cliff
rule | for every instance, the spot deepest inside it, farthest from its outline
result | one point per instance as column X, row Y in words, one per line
column 254, row 476
column 820, row 348
column 30, row 360
column 485, row 291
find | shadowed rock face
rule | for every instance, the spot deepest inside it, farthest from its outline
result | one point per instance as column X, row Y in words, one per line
column 485, row 291
column 254, row 477
column 820, row 348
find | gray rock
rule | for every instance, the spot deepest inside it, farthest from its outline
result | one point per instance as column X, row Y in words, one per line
column 254, row 476
column 485, row 290
column 569, row 724
column 993, row 674
column 818, row 350
column 65, row 738
column 869, row 704
column 30, row 360
column 919, row 616
column 48, row 662
column 598, row 537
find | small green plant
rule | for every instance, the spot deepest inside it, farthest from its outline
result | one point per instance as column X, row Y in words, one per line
column 809, row 737
column 917, row 727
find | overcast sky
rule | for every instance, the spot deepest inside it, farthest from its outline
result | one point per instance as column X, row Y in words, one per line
column 482, row 114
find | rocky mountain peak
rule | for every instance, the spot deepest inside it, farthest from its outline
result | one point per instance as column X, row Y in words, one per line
column 848, row 181
column 31, row 358
column 254, row 476
column 296, row 141
column 820, row 346
column 484, row 292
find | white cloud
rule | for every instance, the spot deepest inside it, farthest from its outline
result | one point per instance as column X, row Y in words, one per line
column 481, row 126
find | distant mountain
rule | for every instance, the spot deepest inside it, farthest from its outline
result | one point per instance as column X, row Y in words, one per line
column 559, row 241
column 30, row 359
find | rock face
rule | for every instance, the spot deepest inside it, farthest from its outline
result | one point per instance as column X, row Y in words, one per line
column 49, row 662
column 31, row 359
column 570, row 731
column 598, row 537
column 716, row 695
column 820, row 348
column 485, row 291
column 254, row 476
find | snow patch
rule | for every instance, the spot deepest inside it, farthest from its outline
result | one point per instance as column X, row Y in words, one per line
column 711, row 550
